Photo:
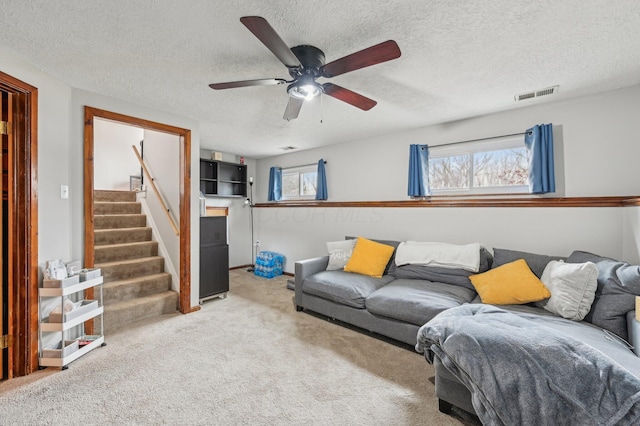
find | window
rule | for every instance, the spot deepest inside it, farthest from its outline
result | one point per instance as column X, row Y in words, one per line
column 299, row 183
column 483, row 167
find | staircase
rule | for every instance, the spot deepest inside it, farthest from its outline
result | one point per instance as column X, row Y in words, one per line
column 136, row 286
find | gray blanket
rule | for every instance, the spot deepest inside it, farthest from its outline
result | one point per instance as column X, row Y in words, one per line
column 523, row 373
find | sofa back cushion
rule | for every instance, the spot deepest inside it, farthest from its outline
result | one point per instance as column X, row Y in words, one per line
column 536, row 262
column 459, row 277
column 618, row 285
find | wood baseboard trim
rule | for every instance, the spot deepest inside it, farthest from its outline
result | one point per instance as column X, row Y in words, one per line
column 240, row 267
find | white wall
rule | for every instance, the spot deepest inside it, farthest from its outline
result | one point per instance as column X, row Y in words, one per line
column 60, row 160
column 55, row 220
column 598, row 155
column 162, row 158
column 113, row 158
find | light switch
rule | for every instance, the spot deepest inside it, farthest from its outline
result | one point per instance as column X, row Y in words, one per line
column 64, row 192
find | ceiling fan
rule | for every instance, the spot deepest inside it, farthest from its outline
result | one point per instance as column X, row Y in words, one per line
column 307, row 63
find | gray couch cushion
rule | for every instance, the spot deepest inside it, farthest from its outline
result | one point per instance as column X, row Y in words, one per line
column 618, row 284
column 416, row 301
column 536, row 262
column 343, row 287
column 444, row 275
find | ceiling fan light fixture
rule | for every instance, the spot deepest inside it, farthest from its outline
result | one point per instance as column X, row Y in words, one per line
column 306, row 91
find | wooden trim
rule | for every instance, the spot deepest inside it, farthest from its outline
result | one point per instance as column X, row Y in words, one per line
column 22, row 300
column 469, row 202
column 152, row 182
column 185, row 192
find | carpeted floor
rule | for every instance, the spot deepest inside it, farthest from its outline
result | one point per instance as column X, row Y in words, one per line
column 247, row 359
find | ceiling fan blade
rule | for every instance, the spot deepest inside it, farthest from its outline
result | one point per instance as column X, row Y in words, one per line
column 268, row 36
column 247, row 83
column 382, row 52
column 293, row 108
column 346, row 95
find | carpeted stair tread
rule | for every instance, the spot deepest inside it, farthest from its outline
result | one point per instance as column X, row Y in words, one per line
column 113, row 195
column 124, row 269
column 124, row 313
column 120, row 290
column 119, row 221
column 119, row 207
column 114, row 252
column 121, row 235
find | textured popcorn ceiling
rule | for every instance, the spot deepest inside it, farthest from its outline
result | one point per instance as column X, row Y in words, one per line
column 459, row 59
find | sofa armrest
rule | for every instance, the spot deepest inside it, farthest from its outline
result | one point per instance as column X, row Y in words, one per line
column 633, row 326
column 306, row 268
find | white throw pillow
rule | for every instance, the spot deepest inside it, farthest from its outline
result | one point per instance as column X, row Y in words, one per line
column 339, row 253
column 572, row 286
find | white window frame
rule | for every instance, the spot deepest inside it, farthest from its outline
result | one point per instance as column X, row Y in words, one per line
column 299, row 170
column 470, row 148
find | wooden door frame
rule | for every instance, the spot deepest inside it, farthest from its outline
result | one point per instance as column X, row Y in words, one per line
column 90, row 114
column 23, row 228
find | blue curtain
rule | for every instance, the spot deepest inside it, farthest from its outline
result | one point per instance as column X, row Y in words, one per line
column 539, row 143
column 321, row 187
column 275, row 184
column 419, row 171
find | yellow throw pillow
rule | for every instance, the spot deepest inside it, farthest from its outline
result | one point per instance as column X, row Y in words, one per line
column 369, row 258
column 510, row 284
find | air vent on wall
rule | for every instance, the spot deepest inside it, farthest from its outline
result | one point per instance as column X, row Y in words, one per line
column 536, row 94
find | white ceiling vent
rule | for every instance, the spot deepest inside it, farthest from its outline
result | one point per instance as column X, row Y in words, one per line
column 542, row 92
column 288, row 148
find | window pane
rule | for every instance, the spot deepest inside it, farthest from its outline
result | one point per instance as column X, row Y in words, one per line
column 309, row 182
column 505, row 167
column 449, row 172
column 290, row 185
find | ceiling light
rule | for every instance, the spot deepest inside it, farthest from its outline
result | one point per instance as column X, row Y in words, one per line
column 305, row 88
column 305, row 91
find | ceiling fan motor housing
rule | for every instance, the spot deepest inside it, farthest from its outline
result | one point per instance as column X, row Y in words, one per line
column 310, row 57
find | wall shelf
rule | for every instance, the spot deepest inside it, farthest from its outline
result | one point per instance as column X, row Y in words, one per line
column 222, row 179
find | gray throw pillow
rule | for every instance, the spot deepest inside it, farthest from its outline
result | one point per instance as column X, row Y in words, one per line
column 572, row 286
column 339, row 253
column 536, row 262
column 618, row 285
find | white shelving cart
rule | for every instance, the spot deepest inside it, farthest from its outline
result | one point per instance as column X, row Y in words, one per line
column 73, row 342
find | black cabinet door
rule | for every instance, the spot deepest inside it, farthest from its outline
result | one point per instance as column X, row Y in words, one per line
column 214, row 270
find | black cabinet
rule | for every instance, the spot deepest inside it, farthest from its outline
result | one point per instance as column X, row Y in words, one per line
column 214, row 257
column 219, row 178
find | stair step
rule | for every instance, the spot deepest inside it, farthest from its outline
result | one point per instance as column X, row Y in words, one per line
column 119, row 207
column 119, row 221
column 113, row 252
column 121, row 290
column 110, row 195
column 125, row 269
column 124, row 313
column 121, row 235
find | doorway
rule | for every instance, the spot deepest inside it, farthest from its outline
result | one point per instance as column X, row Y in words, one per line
column 184, row 189
column 19, row 232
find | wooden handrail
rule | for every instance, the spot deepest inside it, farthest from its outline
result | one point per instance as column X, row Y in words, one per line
column 155, row 189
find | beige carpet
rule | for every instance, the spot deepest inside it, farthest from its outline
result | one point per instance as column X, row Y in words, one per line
column 247, row 359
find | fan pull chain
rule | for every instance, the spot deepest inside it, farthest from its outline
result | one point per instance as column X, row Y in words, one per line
column 321, row 108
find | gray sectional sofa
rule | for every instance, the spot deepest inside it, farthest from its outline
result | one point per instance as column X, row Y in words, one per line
column 408, row 298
